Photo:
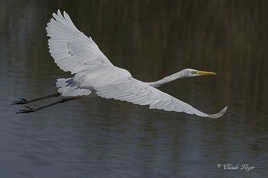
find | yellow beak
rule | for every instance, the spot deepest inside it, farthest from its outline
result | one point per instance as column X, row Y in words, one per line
column 202, row 73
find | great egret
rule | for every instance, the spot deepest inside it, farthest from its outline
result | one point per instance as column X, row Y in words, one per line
column 93, row 73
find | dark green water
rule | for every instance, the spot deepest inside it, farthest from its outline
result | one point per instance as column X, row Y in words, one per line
column 98, row 138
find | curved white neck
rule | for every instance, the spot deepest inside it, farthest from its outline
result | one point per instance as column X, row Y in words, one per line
column 170, row 78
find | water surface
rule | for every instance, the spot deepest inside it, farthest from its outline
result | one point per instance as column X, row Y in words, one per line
column 94, row 137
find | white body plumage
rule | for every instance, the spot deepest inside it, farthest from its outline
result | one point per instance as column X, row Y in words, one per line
column 100, row 77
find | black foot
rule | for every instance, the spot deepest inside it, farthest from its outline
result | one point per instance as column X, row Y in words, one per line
column 26, row 109
column 20, row 101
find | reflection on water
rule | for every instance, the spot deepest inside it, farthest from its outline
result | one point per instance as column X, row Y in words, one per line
column 103, row 138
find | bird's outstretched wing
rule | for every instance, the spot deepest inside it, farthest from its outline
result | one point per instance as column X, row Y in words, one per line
column 138, row 92
column 71, row 49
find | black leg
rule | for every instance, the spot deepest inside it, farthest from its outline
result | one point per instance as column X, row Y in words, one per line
column 28, row 109
column 25, row 101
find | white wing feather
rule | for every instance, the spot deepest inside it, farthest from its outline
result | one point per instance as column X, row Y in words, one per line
column 71, row 49
column 138, row 92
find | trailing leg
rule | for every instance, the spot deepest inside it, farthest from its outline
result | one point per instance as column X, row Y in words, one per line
column 28, row 109
column 25, row 101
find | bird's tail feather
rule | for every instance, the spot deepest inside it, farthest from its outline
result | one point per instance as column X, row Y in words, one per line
column 66, row 87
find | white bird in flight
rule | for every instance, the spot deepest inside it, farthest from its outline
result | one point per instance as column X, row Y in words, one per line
column 93, row 73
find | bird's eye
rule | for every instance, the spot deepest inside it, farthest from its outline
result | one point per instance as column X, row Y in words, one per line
column 193, row 72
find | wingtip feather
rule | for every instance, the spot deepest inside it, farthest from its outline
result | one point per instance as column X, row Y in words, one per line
column 219, row 114
column 58, row 12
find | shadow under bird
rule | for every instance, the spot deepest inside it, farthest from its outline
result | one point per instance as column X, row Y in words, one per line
column 94, row 74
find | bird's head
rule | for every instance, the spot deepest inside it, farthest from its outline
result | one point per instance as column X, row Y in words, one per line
column 195, row 73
